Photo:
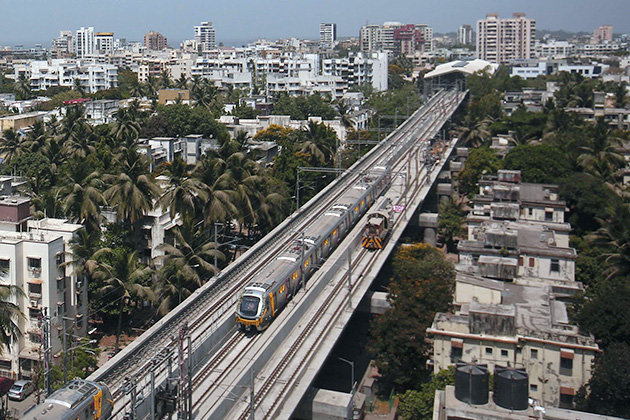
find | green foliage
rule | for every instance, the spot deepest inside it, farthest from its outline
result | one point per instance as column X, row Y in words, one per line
column 538, row 163
column 179, row 120
column 422, row 284
column 302, row 107
column 587, row 198
column 480, row 162
column 451, row 219
column 418, row 404
column 605, row 314
column 609, row 387
column 482, row 83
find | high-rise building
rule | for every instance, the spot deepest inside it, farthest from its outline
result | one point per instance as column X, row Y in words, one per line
column 465, row 35
column 63, row 46
column 104, row 43
column 370, row 38
column 84, row 42
column 327, row 35
column 603, row 33
column 154, row 41
column 205, row 36
column 502, row 40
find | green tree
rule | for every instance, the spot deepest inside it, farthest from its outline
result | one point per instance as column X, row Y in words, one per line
column 10, row 313
column 541, row 163
column 422, row 284
column 614, row 236
column 608, row 390
column 418, row 404
column 124, row 280
column 450, row 221
column 183, row 193
column 480, row 162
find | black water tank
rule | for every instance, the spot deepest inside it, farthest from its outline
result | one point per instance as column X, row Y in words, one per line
column 511, row 388
column 471, row 383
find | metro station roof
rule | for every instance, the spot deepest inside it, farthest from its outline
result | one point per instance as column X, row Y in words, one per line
column 465, row 67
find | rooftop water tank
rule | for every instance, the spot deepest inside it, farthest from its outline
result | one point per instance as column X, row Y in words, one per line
column 471, row 383
column 511, row 388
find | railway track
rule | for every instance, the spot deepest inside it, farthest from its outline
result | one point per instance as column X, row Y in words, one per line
column 196, row 311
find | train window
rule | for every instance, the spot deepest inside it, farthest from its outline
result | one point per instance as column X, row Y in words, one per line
column 356, row 208
column 295, row 275
column 362, row 202
column 307, row 263
column 282, row 289
column 335, row 232
column 326, row 242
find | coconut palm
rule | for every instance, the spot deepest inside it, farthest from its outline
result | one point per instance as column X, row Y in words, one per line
column 53, row 151
column 151, row 87
column 182, row 82
column 126, row 125
column 183, row 194
column 9, row 314
column 614, row 235
column 22, row 87
column 219, row 197
column 81, row 259
column 192, row 256
column 602, row 158
column 77, row 87
column 133, row 190
column 71, row 121
column 165, row 79
column 12, row 145
column 36, row 138
column 124, row 280
column 80, row 144
column 82, row 196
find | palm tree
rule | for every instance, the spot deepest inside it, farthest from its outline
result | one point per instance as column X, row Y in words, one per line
column 124, row 279
column 70, row 122
column 36, row 138
column 614, row 235
column 9, row 314
column 602, row 158
column 82, row 196
column 219, row 202
column 183, row 194
column 76, row 86
column 192, row 258
column 479, row 133
column 242, row 137
column 53, row 125
column 81, row 259
column 12, row 145
column 165, row 79
column 53, row 151
column 133, row 190
column 182, row 82
column 81, row 141
column 22, row 87
column 151, row 87
column 126, row 125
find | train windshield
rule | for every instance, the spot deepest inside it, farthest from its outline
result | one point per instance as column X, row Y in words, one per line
column 249, row 306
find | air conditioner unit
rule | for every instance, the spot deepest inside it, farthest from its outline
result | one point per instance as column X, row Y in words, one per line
column 33, row 304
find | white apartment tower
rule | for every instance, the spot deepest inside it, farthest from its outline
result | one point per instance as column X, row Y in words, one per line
column 502, row 40
column 205, row 36
column 84, row 42
column 62, row 46
column 370, row 38
column 327, row 35
column 465, row 35
column 104, row 43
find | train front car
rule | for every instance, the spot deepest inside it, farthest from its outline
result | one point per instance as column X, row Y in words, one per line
column 376, row 231
column 252, row 309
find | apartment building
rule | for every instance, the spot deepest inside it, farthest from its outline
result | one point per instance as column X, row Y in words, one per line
column 524, row 326
column 154, row 41
column 60, row 72
column 205, row 36
column 396, row 38
column 529, row 69
column 358, row 69
column 465, row 35
column 555, row 49
column 84, row 42
column 603, row 34
column 502, row 40
column 327, row 35
column 63, row 46
column 103, row 43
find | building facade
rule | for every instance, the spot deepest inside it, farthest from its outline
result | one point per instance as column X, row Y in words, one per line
column 84, row 42
column 63, row 46
column 53, row 73
column 327, row 35
column 465, row 35
column 205, row 36
column 104, row 43
column 154, row 41
column 502, row 40
column 603, row 34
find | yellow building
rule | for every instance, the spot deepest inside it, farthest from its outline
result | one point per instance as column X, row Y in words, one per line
column 20, row 121
column 169, row 96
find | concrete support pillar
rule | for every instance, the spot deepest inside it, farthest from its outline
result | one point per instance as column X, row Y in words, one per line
column 444, row 191
column 429, row 221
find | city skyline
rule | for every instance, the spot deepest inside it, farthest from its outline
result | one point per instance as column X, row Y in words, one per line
column 277, row 19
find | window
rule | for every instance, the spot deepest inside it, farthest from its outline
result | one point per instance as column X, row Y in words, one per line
column 489, row 350
column 34, row 264
column 34, row 289
column 566, row 364
column 548, row 216
column 534, row 354
column 60, row 258
column 4, row 267
column 532, row 262
column 555, row 265
column 520, row 261
column 35, row 338
column 33, row 313
column 457, row 347
column 504, row 353
column 531, row 211
column 533, row 387
column 566, row 397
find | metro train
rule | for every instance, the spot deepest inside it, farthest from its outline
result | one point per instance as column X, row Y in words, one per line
column 377, row 229
column 79, row 400
column 269, row 290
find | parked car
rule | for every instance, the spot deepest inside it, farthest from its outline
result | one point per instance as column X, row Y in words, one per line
column 21, row 389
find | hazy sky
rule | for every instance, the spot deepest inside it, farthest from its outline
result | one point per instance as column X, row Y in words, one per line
column 32, row 21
